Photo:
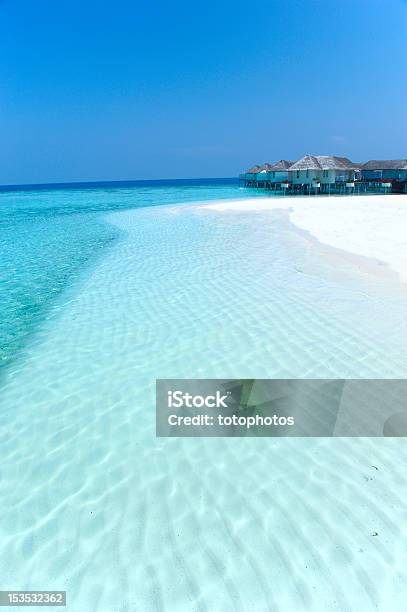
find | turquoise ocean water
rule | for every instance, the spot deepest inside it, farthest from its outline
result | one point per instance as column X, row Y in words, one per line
column 105, row 289
column 48, row 234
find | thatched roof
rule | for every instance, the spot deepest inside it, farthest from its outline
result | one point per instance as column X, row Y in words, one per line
column 308, row 162
column 265, row 168
column 254, row 169
column 259, row 168
column 283, row 164
column 323, row 162
column 385, row 164
column 329, row 162
column 333, row 162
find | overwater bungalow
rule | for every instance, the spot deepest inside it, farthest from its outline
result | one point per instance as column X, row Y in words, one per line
column 263, row 172
column 250, row 175
column 278, row 172
column 329, row 174
column 274, row 176
column 267, row 176
column 322, row 173
column 384, row 170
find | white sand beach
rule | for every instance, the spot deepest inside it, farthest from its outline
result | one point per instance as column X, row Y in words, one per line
column 373, row 226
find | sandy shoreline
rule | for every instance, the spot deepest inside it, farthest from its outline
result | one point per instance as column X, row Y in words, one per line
column 369, row 226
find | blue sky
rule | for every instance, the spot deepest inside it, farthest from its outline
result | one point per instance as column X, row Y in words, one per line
column 131, row 90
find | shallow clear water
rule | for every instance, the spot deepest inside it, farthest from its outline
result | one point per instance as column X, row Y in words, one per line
column 94, row 503
column 47, row 235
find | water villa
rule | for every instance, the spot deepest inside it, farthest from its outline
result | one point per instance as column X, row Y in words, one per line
column 313, row 174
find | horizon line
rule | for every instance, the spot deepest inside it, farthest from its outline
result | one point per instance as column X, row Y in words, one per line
column 22, row 186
